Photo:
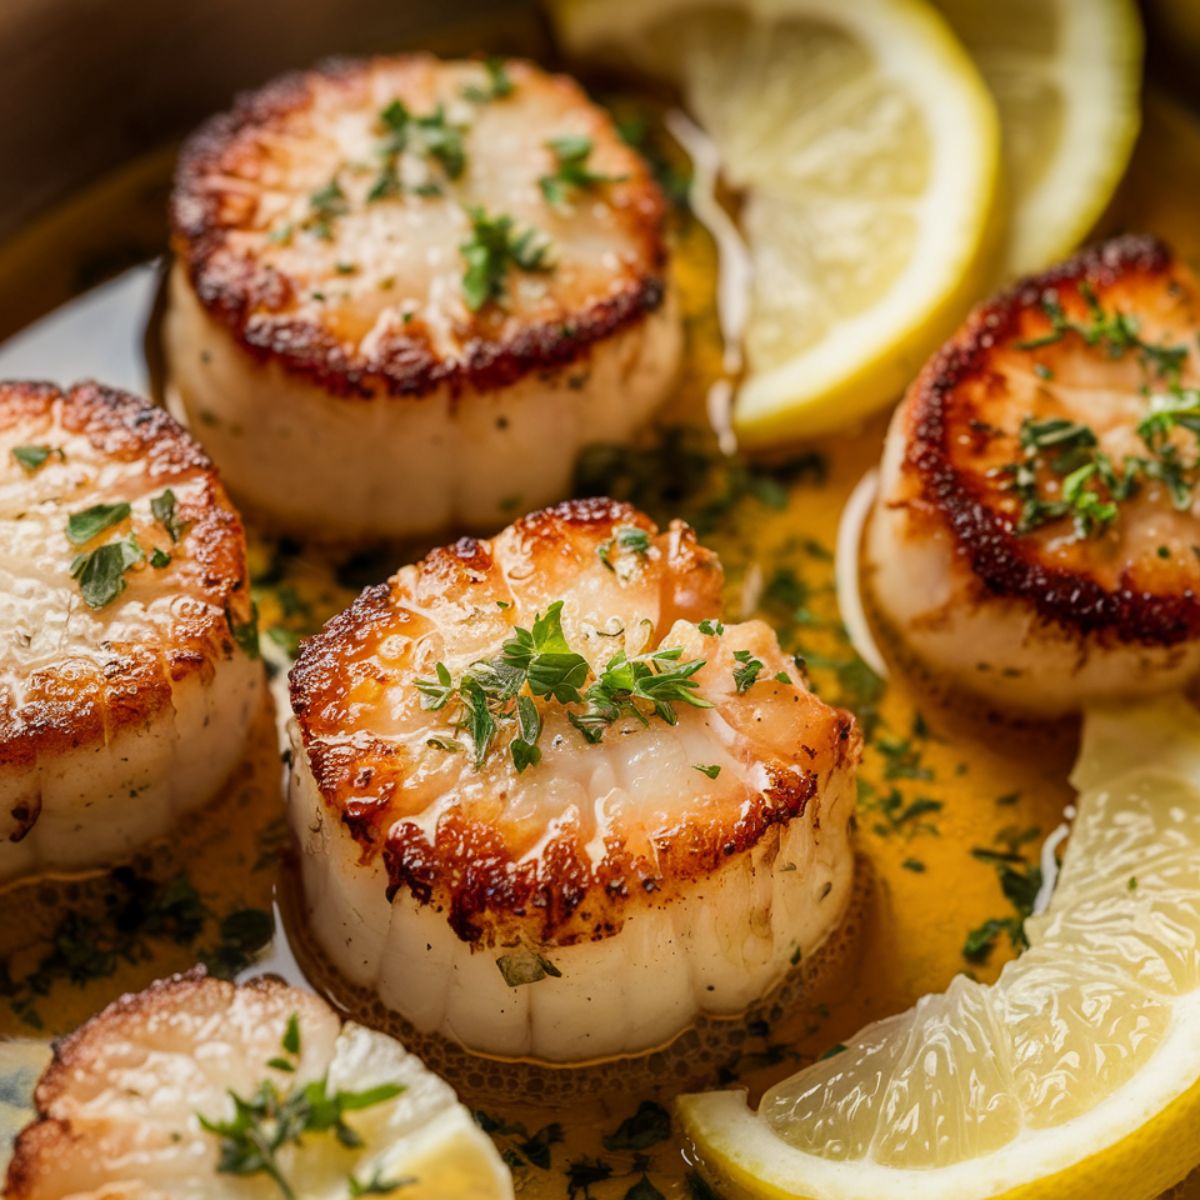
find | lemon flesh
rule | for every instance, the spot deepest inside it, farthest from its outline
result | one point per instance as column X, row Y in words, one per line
column 1077, row 1074
column 1066, row 77
column 863, row 149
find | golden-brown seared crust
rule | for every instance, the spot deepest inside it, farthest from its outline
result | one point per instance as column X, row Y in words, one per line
column 36, row 1143
column 219, row 235
column 562, row 897
column 123, row 679
column 472, row 864
column 954, row 460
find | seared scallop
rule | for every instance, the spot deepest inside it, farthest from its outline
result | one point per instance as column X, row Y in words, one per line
column 408, row 291
column 128, row 657
column 199, row 1090
column 549, row 806
column 1036, row 541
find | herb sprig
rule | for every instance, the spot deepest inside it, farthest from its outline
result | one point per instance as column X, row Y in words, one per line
column 539, row 662
column 265, row 1122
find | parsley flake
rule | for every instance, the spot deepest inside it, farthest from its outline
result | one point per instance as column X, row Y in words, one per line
column 325, row 204
column 625, row 537
column 745, row 674
column 498, row 86
column 571, row 152
column 494, row 246
column 164, row 510
column 85, row 525
column 32, row 457
column 101, row 572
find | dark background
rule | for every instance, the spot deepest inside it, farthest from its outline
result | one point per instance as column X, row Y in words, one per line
column 88, row 84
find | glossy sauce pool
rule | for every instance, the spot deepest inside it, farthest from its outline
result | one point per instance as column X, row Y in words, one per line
column 933, row 789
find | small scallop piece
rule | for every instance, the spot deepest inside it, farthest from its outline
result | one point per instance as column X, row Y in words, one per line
column 319, row 334
column 597, row 902
column 119, row 1108
column 1040, row 621
column 125, row 695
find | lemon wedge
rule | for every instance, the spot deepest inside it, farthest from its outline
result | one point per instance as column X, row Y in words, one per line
column 863, row 149
column 1077, row 1074
column 1066, row 77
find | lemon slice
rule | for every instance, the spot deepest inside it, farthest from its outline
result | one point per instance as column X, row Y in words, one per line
column 1066, row 77
column 1077, row 1074
column 864, row 151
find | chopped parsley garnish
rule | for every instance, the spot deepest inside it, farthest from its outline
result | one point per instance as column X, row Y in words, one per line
column 101, row 572
column 32, row 457
column 625, row 537
column 159, row 558
column 494, row 246
column 245, row 633
column 582, row 1173
column 85, row 525
column 1020, row 882
column 442, row 141
column 1116, row 332
column 647, row 1127
column 745, row 674
column 325, row 204
column 682, row 475
column 539, row 662
column 571, row 152
column 164, row 509
column 896, row 813
column 498, row 86
column 267, row 1121
column 711, row 627
column 657, row 679
column 903, row 758
column 1092, row 486
column 430, row 135
column 712, row 772
column 524, row 1149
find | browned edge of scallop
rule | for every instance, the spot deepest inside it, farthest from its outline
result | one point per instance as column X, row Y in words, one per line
column 39, row 1141
column 1003, row 561
column 73, row 708
column 562, row 898
column 234, row 289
